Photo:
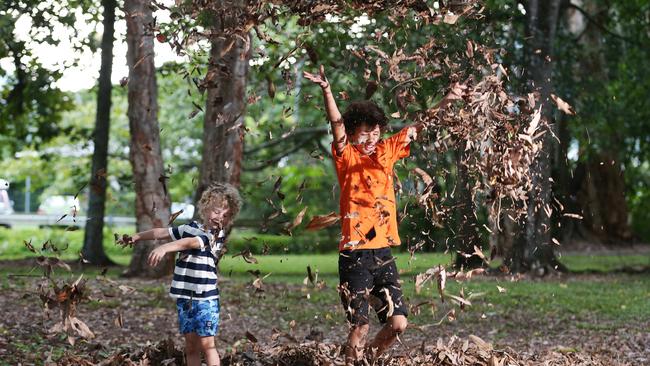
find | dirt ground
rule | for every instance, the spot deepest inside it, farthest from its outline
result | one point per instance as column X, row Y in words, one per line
column 259, row 329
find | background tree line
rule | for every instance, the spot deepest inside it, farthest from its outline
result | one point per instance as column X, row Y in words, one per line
column 164, row 135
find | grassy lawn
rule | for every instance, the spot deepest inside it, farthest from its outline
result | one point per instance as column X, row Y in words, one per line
column 598, row 300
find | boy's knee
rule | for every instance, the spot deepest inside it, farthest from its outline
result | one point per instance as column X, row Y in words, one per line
column 398, row 324
column 207, row 343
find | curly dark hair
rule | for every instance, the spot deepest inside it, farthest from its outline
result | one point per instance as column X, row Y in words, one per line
column 363, row 112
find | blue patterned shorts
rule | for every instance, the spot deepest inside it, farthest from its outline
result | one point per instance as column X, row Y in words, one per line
column 198, row 316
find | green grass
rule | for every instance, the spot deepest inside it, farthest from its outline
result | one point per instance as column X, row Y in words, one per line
column 286, row 260
column 589, row 301
column 12, row 243
column 603, row 302
column 604, row 262
column 326, row 264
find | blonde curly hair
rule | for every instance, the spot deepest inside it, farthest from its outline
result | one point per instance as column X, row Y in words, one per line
column 216, row 193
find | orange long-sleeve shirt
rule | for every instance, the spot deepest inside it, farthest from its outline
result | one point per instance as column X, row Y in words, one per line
column 367, row 204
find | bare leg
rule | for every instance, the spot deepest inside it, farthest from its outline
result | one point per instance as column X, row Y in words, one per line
column 388, row 334
column 356, row 341
column 210, row 351
column 192, row 349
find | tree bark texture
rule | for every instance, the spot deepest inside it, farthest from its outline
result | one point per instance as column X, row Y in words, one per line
column 468, row 236
column 598, row 187
column 534, row 249
column 223, row 139
column 93, row 248
column 152, row 203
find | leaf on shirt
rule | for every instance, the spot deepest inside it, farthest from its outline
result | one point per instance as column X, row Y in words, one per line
column 322, row 221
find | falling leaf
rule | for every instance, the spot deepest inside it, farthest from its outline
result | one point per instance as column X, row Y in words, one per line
column 450, row 18
column 575, row 216
column 562, row 105
column 296, row 221
column 29, row 245
column 174, row 216
column 119, row 321
column 322, row 221
column 310, row 275
column 246, row 255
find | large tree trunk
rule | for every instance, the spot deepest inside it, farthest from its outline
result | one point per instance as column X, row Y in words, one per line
column 152, row 204
column 223, row 140
column 534, row 250
column 598, row 187
column 601, row 200
column 93, row 249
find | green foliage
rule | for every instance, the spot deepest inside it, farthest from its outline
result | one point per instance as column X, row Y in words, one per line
column 67, row 243
column 32, row 105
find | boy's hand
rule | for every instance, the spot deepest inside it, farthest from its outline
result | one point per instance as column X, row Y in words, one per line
column 157, row 255
column 320, row 79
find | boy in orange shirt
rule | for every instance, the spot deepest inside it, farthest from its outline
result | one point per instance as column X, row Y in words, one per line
column 364, row 166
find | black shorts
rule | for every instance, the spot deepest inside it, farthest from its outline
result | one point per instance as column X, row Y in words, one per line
column 370, row 272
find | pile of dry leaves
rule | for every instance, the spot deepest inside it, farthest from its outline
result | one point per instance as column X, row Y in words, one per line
column 455, row 352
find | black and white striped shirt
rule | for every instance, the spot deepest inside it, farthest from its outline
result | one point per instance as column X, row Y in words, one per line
column 195, row 274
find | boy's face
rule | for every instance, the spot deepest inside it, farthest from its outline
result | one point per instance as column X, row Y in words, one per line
column 366, row 138
column 218, row 215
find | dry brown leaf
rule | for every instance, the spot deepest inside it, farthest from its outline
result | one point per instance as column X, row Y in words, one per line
column 322, row 221
column 562, row 105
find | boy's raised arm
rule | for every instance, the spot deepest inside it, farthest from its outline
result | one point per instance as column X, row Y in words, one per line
column 333, row 113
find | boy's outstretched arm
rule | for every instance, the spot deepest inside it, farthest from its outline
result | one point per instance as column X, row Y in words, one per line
column 153, row 234
column 159, row 252
column 333, row 114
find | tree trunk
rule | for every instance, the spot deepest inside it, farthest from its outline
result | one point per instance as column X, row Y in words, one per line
column 223, row 140
column 598, row 185
column 534, row 250
column 152, row 204
column 601, row 200
column 467, row 237
column 93, row 248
